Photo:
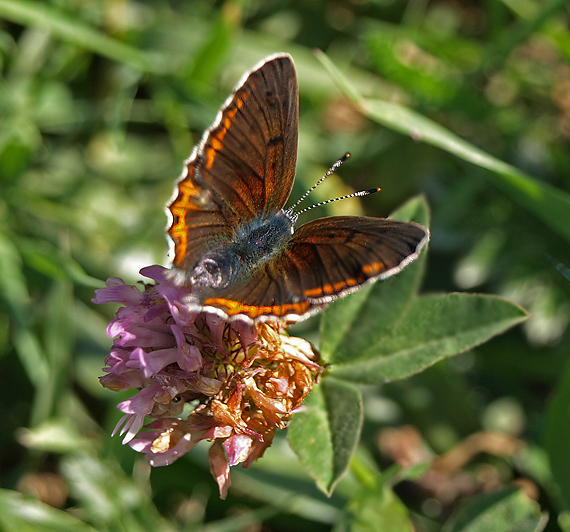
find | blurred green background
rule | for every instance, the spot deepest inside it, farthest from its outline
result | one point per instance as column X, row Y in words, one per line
column 100, row 103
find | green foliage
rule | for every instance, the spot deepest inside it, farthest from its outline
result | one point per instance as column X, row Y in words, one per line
column 548, row 203
column 371, row 348
column 325, row 434
column 434, row 327
column 467, row 104
column 377, row 509
column 28, row 515
column 507, row 509
column 556, row 434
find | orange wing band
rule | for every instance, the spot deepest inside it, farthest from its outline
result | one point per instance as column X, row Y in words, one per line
column 368, row 271
column 187, row 200
column 234, row 307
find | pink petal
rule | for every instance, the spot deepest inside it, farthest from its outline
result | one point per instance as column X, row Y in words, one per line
column 118, row 292
column 217, row 326
column 142, row 402
column 137, row 336
column 237, row 448
column 132, row 424
column 151, row 363
column 155, row 272
column 258, row 448
column 247, row 334
column 189, row 357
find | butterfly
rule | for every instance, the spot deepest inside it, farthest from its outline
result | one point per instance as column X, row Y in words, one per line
column 235, row 246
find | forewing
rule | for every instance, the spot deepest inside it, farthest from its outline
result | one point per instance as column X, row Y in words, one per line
column 244, row 166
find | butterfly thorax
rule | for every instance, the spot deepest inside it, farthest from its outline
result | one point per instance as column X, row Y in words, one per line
column 252, row 245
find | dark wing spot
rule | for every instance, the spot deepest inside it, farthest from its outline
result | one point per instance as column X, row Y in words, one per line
column 275, row 140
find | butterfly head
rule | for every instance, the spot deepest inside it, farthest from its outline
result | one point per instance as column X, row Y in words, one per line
column 215, row 270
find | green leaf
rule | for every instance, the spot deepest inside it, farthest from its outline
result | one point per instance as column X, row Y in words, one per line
column 247, row 520
column 324, row 435
column 207, row 59
column 21, row 514
column 548, row 203
column 557, row 435
column 58, row 338
column 62, row 26
column 362, row 319
column 112, row 499
column 377, row 509
column 414, row 210
column 56, row 435
column 15, row 300
column 506, row 510
column 435, row 327
column 51, row 262
column 534, row 18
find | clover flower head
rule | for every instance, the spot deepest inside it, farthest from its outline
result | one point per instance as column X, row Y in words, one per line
column 240, row 382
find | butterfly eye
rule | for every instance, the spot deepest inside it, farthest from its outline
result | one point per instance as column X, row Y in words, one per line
column 207, row 273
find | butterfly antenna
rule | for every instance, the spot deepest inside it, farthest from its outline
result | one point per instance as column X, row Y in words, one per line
column 353, row 195
column 331, row 170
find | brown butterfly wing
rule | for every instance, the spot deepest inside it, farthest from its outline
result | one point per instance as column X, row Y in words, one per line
column 244, row 166
column 324, row 260
column 333, row 256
